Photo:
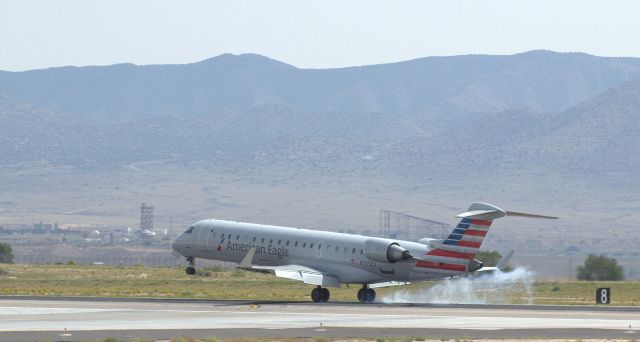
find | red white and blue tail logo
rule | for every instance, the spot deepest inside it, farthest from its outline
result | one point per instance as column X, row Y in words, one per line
column 461, row 246
column 456, row 253
column 458, row 248
column 467, row 236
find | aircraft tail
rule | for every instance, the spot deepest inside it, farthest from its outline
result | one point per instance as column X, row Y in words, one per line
column 467, row 237
column 457, row 252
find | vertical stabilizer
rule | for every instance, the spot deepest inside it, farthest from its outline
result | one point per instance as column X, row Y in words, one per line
column 457, row 252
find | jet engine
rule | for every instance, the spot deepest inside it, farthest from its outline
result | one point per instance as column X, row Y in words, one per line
column 383, row 250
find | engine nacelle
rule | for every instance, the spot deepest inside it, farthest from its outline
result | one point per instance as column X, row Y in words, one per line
column 382, row 250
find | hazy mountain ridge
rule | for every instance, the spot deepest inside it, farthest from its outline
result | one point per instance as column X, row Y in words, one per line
column 436, row 115
column 540, row 80
column 596, row 137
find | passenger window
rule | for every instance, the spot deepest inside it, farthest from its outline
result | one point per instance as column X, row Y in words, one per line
column 279, row 241
column 254, row 239
column 319, row 246
column 304, row 245
column 361, row 251
column 262, row 240
column 296, row 245
column 237, row 237
column 287, row 243
column 229, row 236
column 271, row 241
column 311, row 246
column 345, row 249
column 353, row 251
column 337, row 248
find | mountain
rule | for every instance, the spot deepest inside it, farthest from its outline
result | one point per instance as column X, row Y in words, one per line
column 419, row 90
column 596, row 139
column 566, row 112
column 598, row 134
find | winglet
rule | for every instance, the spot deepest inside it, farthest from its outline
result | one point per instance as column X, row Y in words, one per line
column 247, row 261
column 504, row 261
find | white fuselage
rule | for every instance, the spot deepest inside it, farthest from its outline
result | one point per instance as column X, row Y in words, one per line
column 342, row 255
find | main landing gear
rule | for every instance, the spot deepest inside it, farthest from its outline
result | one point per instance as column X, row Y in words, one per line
column 366, row 295
column 320, row 294
column 191, row 269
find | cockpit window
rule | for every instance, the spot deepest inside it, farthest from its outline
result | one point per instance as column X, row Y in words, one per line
column 189, row 230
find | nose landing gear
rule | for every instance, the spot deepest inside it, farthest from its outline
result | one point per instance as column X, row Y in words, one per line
column 191, row 269
column 320, row 294
column 366, row 295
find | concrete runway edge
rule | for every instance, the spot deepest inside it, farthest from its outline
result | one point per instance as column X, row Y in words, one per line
column 92, row 318
column 544, row 307
column 369, row 333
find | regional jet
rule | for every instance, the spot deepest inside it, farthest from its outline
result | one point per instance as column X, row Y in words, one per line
column 328, row 259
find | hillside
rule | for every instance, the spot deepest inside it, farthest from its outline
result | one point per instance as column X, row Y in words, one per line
column 407, row 118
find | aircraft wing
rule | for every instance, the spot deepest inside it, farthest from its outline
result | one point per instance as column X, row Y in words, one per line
column 296, row 272
column 388, row 284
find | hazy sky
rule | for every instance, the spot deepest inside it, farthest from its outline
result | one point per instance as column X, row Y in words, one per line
column 318, row 34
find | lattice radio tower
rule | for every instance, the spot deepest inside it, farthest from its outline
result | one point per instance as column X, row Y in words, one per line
column 402, row 226
column 146, row 217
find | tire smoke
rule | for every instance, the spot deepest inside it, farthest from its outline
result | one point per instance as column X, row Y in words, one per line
column 515, row 287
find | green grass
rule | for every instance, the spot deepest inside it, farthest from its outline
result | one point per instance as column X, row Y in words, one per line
column 215, row 283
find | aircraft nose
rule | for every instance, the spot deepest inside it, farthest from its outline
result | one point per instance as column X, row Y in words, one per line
column 176, row 243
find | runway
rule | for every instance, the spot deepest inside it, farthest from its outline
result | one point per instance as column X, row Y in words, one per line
column 31, row 318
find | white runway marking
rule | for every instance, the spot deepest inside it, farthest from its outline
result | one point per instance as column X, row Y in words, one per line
column 89, row 315
column 8, row 310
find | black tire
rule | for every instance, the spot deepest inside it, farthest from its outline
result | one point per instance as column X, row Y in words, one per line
column 324, row 295
column 362, row 295
column 371, row 295
column 190, row 270
column 316, row 295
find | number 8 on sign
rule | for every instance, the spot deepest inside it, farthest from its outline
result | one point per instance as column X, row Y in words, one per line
column 603, row 295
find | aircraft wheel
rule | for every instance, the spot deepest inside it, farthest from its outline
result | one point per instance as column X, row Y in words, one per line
column 371, row 295
column 190, row 270
column 316, row 294
column 324, row 295
column 362, row 295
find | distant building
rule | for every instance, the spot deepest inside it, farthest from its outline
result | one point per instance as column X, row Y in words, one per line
column 42, row 228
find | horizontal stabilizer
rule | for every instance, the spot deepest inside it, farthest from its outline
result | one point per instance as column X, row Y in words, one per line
column 484, row 214
column 484, row 211
column 515, row 213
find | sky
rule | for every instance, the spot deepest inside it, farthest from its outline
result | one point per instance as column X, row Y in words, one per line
column 307, row 34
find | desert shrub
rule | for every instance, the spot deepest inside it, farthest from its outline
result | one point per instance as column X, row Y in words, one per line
column 600, row 267
column 6, row 253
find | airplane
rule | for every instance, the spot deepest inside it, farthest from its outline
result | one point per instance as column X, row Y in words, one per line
column 328, row 259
